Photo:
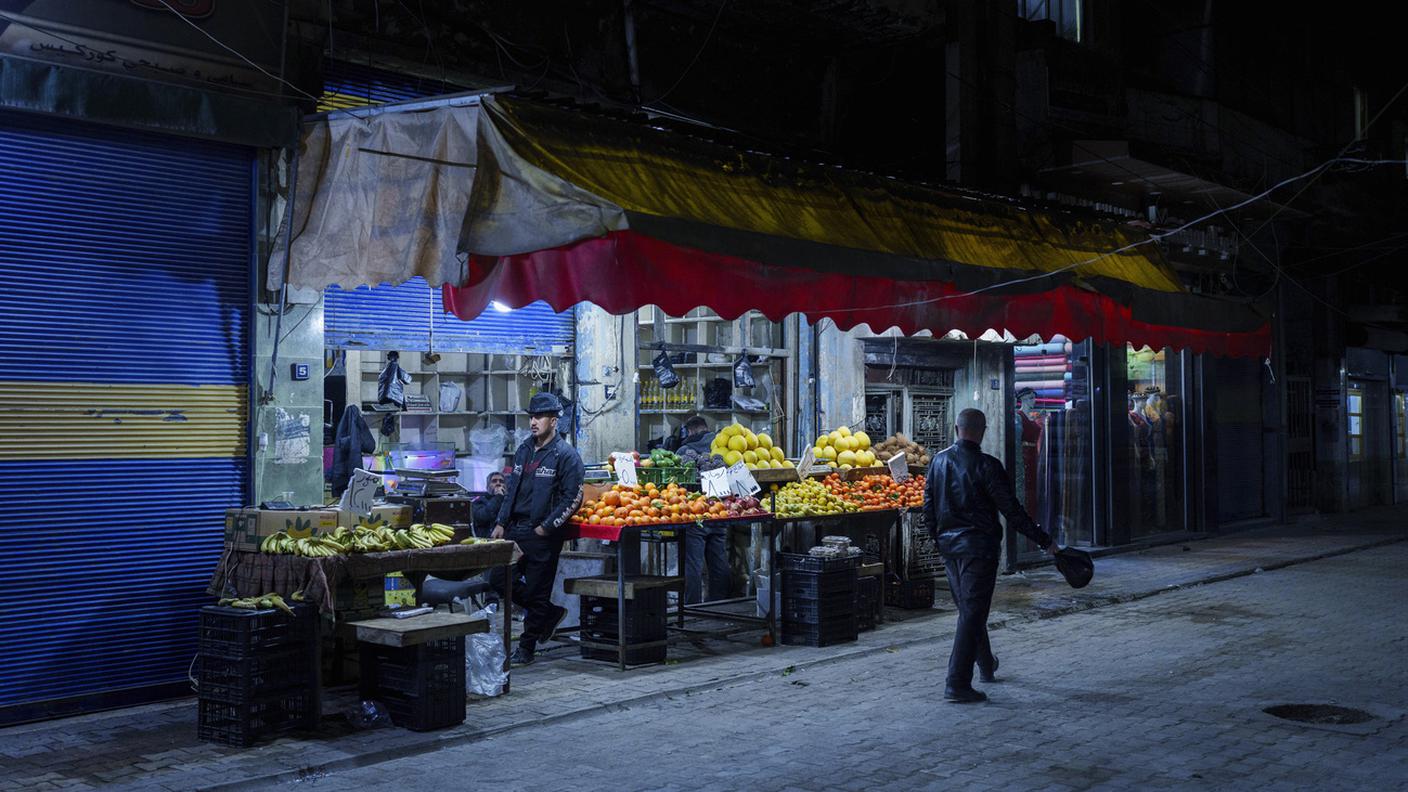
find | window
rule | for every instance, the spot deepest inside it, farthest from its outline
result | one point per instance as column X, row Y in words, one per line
column 1053, row 472
column 1065, row 13
column 1355, row 408
column 1155, row 436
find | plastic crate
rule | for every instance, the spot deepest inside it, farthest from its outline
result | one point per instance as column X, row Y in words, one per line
column 645, row 618
column 869, row 602
column 422, row 686
column 834, row 607
column 836, row 632
column 812, row 585
column 243, row 679
column 798, row 562
column 660, row 476
column 245, row 723
column 910, row 594
column 236, row 632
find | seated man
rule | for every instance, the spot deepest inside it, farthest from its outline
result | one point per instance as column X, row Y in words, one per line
column 486, row 508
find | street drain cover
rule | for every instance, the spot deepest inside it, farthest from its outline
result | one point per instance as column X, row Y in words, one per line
column 1319, row 714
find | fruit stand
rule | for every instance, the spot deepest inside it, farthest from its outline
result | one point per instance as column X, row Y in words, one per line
column 660, row 508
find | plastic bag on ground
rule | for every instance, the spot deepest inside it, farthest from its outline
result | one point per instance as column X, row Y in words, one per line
column 484, row 656
column 369, row 715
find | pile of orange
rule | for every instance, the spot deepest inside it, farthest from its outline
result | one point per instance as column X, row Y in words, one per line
column 647, row 504
column 878, row 491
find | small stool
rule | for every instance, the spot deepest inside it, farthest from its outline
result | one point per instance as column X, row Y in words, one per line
column 644, row 629
column 415, row 666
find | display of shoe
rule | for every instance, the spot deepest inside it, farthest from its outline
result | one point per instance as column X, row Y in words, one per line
column 969, row 696
column 522, row 657
column 553, row 623
column 988, row 674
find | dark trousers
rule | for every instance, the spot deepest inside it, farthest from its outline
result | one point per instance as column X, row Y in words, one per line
column 706, row 545
column 532, row 585
column 971, row 581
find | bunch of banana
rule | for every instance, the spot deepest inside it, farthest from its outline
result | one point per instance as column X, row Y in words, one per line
column 279, row 542
column 317, row 547
column 440, row 533
column 270, row 600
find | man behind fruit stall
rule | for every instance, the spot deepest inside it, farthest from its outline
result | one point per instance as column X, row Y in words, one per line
column 543, row 491
column 703, row 545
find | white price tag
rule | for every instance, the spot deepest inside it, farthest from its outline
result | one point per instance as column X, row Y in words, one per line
column 899, row 468
column 715, row 483
column 741, row 480
column 804, row 467
column 625, row 464
column 360, row 492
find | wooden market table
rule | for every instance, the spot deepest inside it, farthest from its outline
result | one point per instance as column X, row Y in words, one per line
column 249, row 573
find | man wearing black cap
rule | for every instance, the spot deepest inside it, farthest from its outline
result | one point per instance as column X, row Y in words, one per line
column 543, row 491
column 963, row 494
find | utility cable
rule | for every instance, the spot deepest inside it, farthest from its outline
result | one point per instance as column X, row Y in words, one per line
column 1152, row 238
column 707, row 37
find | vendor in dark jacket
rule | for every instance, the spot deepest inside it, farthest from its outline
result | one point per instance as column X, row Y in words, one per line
column 485, row 510
column 963, row 495
column 543, row 491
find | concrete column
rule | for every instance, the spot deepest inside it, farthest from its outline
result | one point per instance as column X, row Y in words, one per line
column 606, row 361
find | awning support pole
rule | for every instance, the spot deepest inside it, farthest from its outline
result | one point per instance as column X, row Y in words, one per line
column 268, row 395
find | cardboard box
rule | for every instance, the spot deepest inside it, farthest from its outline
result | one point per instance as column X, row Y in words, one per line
column 246, row 528
column 392, row 515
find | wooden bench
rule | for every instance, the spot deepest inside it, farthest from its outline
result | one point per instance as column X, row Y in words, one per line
column 606, row 585
column 418, row 629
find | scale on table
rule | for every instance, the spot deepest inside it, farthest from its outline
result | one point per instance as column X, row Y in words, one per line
column 428, row 483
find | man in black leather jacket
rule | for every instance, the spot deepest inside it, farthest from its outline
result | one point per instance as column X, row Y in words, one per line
column 963, row 495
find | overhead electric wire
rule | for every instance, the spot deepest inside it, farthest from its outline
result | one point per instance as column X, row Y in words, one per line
column 707, row 37
column 1152, row 238
column 234, row 51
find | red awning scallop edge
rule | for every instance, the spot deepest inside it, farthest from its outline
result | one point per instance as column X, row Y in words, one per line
column 625, row 270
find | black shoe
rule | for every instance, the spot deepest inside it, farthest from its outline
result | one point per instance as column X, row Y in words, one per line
column 553, row 622
column 522, row 657
column 969, row 696
column 987, row 674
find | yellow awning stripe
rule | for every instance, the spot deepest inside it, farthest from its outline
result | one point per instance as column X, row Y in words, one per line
column 99, row 420
column 669, row 174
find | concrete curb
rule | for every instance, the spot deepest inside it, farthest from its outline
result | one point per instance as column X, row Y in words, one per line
column 313, row 773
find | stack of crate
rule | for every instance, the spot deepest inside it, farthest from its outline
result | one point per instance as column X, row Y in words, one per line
column 644, row 628
column 819, row 599
column 257, row 673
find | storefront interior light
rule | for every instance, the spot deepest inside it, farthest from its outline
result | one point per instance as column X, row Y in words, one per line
column 500, row 307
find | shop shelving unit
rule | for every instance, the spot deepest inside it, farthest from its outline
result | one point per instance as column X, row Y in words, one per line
column 495, row 389
column 712, row 345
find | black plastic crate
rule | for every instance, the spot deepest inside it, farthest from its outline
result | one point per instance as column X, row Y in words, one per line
column 243, row 679
column 425, row 713
column 812, row 585
column 910, row 594
column 799, row 562
column 869, row 602
column 422, row 686
column 236, row 632
column 645, row 618
column 635, row 655
column 245, row 723
column 835, row 632
column 829, row 608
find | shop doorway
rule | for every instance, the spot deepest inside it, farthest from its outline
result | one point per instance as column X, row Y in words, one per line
column 1400, row 446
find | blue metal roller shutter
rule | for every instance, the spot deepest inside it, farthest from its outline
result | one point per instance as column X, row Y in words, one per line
column 124, row 375
column 399, row 317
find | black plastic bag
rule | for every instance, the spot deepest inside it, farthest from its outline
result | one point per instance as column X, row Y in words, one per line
column 742, row 373
column 664, row 372
column 1076, row 566
column 718, row 394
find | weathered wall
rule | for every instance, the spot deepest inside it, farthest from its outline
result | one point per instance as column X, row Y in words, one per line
column 606, row 356
column 840, row 374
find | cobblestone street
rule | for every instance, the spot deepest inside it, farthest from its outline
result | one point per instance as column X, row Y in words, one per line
column 1165, row 692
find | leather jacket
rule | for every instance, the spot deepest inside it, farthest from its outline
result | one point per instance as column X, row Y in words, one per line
column 964, row 492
